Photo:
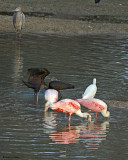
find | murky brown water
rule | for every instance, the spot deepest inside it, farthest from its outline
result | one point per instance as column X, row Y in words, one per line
column 26, row 132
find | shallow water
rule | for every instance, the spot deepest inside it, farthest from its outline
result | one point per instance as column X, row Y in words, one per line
column 29, row 133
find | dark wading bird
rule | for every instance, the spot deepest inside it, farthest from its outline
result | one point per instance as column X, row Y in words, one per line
column 18, row 19
column 36, row 81
column 97, row 1
column 59, row 85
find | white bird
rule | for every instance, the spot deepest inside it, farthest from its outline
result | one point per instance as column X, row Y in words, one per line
column 90, row 90
column 18, row 19
column 51, row 96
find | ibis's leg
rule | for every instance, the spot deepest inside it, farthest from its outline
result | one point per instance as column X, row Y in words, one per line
column 60, row 96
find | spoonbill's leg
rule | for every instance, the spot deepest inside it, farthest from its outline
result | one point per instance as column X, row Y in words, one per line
column 95, row 122
column 96, row 115
column 88, row 111
column 65, row 116
column 69, row 117
column 69, row 125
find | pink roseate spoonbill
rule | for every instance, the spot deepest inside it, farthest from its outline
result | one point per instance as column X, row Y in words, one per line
column 66, row 105
column 90, row 90
column 18, row 19
column 95, row 105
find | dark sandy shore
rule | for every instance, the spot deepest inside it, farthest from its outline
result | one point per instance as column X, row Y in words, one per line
column 67, row 16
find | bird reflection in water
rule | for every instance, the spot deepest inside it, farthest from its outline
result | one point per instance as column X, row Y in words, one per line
column 50, row 121
column 18, row 64
column 92, row 134
column 66, row 136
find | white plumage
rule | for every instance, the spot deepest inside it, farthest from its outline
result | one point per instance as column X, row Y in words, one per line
column 90, row 90
column 51, row 95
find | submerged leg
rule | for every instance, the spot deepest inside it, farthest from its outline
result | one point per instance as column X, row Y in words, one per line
column 65, row 116
column 37, row 96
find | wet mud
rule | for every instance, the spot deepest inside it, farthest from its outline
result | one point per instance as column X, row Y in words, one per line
column 71, row 17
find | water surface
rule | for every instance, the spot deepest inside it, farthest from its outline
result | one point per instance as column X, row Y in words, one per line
column 29, row 133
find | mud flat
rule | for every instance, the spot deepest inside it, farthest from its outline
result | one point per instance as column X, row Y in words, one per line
column 67, row 17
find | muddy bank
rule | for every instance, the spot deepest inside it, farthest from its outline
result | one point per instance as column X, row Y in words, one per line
column 67, row 17
column 69, row 26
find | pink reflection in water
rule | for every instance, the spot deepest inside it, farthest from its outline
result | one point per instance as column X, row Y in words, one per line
column 65, row 137
column 92, row 134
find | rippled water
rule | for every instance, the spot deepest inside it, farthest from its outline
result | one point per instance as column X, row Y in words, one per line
column 29, row 133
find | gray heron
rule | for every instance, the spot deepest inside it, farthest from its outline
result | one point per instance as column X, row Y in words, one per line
column 18, row 19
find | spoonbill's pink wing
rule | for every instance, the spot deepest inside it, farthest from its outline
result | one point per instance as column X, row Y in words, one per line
column 66, row 105
column 93, row 104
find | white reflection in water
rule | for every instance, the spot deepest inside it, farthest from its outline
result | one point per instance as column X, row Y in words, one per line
column 50, row 121
column 92, row 134
column 18, row 63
